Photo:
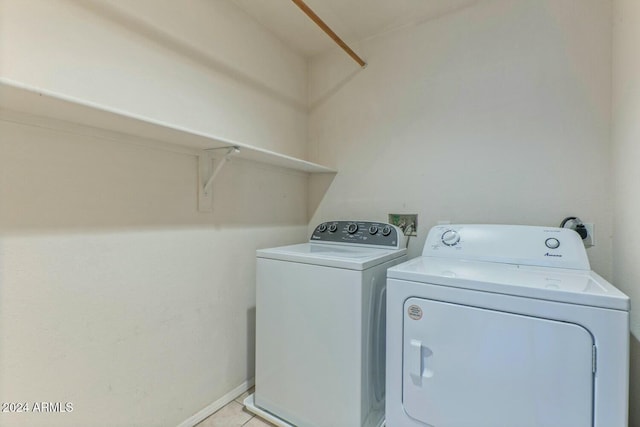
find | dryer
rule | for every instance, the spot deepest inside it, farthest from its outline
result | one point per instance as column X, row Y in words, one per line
column 505, row 326
column 320, row 324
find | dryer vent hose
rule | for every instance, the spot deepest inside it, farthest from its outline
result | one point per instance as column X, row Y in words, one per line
column 574, row 223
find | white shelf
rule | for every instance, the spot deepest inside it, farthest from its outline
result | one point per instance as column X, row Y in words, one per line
column 29, row 101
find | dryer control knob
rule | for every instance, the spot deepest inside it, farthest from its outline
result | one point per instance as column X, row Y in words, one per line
column 352, row 228
column 333, row 227
column 373, row 229
column 450, row 237
column 322, row 228
column 552, row 243
column 386, row 230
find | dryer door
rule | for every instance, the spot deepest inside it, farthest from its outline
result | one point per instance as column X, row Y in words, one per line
column 470, row 367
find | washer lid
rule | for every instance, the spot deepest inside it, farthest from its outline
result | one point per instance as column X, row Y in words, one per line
column 348, row 257
column 554, row 284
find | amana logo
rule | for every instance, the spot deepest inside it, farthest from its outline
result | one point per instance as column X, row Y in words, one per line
column 555, row 255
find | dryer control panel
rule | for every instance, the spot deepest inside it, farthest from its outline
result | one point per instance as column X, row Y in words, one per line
column 511, row 244
column 377, row 234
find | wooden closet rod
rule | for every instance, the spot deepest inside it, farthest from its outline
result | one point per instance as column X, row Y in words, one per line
column 320, row 23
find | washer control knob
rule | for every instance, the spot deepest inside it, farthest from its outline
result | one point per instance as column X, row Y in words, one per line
column 373, row 229
column 450, row 237
column 386, row 230
column 552, row 243
column 352, row 228
column 322, row 228
column 333, row 227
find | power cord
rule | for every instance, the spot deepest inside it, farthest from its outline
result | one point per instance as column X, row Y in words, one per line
column 407, row 232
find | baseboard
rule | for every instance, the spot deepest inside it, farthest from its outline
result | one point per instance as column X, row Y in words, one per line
column 213, row 407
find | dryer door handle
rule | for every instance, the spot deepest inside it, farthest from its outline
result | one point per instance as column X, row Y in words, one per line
column 417, row 361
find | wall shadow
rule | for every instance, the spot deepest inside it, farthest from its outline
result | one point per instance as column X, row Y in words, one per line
column 318, row 184
column 634, row 383
column 251, row 342
column 334, row 89
column 53, row 181
column 168, row 41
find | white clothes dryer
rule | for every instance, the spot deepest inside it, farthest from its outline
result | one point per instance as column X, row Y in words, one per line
column 505, row 326
column 320, row 324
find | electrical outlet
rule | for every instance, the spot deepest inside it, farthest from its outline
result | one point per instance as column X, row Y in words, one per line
column 408, row 223
column 590, row 240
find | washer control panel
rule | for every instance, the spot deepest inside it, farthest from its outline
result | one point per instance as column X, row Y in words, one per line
column 359, row 232
column 512, row 244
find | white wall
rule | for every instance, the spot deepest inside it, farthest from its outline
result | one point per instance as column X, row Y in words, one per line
column 116, row 294
column 626, row 156
column 201, row 64
column 498, row 113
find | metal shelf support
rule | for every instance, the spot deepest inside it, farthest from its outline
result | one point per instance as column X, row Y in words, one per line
column 207, row 176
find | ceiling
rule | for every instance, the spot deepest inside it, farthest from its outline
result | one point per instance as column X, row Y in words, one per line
column 352, row 20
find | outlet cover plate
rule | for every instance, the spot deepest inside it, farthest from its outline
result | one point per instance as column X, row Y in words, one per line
column 591, row 236
column 405, row 220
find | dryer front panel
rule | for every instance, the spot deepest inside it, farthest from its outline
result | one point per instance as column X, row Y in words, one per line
column 465, row 366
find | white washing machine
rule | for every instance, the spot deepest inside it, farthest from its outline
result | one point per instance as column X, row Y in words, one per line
column 320, row 326
column 505, row 326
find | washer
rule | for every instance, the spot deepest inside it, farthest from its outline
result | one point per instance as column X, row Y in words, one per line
column 505, row 326
column 320, row 324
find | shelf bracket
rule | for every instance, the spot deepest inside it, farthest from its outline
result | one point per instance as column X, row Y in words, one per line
column 206, row 175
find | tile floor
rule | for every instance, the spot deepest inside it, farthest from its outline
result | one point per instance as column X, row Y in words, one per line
column 234, row 415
